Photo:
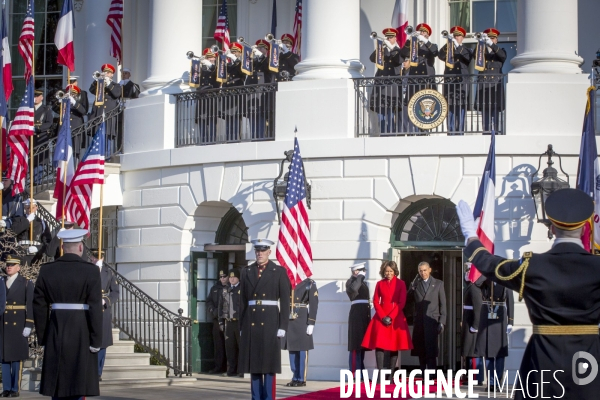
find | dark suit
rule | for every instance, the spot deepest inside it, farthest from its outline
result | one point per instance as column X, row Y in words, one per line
column 212, row 306
column 358, row 320
column 490, row 88
column 430, row 312
column 131, row 90
column 229, row 315
column 561, row 288
column 110, row 295
column 455, row 87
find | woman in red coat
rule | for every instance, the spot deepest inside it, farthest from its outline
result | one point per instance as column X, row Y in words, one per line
column 388, row 330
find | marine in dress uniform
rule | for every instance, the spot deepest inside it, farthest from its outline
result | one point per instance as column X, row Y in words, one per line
column 212, row 306
column 260, row 106
column 298, row 339
column 16, row 322
column 110, row 295
column 359, row 316
column 112, row 98
column 455, row 87
column 560, row 288
column 44, row 130
column 472, row 302
column 287, row 59
column 131, row 90
column 386, row 99
column 490, row 92
column 67, row 307
column 429, row 316
column 265, row 285
column 229, row 316
column 426, row 53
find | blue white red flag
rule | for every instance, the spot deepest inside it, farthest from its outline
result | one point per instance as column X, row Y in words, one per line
column 63, row 159
column 400, row 19
column 63, row 38
column 6, row 60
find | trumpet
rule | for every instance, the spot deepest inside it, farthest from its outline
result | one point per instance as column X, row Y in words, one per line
column 374, row 36
column 409, row 30
column 241, row 40
column 478, row 35
column 190, row 55
column 271, row 39
column 60, row 95
column 98, row 75
column 445, row 34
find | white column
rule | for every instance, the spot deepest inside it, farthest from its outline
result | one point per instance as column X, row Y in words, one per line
column 331, row 42
column 174, row 30
column 543, row 48
column 97, row 40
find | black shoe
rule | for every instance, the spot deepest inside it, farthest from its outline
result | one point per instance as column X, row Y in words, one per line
column 215, row 371
column 5, row 393
column 240, row 375
column 291, row 384
column 99, row 379
column 14, row 394
column 299, row 383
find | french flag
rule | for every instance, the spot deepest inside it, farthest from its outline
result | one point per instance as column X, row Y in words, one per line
column 485, row 205
column 64, row 36
column 63, row 160
column 6, row 61
column 400, row 19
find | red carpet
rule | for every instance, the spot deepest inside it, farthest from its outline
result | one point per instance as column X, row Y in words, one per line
column 334, row 393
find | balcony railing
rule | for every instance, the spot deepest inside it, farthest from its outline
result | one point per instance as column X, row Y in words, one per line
column 476, row 104
column 238, row 114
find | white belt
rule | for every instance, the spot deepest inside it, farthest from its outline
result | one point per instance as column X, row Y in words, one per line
column 360, row 302
column 263, row 303
column 467, row 307
column 69, row 306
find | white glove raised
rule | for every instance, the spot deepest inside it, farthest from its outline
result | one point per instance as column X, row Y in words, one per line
column 256, row 52
column 32, row 249
column 310, row 329
column 388, row 44
column 206, row 63
column 94, row 349
column 284, row 49
column 509, row 329
column 489, row 42
column 232, row 57
column 472, row 330
column 422, row 39
column 31, row 217
column 456, row 44
column 26, row 332
column 107, row 80
column 280, row 333
column 363, row 273
column 467, row 223
column 72, row 101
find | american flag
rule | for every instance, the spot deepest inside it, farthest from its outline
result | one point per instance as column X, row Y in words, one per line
column 18, row 140
column 26, row 41
column 90, row 170
column 115, row 20
column 294, row 252
column 222, row 29
column 298, row 29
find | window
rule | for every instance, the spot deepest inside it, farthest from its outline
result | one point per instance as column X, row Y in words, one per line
column 478, row 15
column 210, row 14
column 48, row 73
column 232, row 229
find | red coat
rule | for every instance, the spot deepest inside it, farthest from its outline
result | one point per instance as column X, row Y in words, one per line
column 389, row 300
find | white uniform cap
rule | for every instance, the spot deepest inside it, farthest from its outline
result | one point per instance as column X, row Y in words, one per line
column 261, row 243
column 358, row 266
column 26, row 202
column 72, row 235
column 73, row 78
column 126, row 70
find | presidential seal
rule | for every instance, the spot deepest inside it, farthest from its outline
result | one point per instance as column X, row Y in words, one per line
column 427, row 109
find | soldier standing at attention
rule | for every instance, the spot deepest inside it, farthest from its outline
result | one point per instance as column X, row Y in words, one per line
column 359, row 317
column 229, row 316
column 212, row 306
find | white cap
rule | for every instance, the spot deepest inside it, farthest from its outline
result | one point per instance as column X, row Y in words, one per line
column 358, row 266
column 262, row 243
column 73, row 78
column 72, row 235
column 26, row 202
column 126, row 70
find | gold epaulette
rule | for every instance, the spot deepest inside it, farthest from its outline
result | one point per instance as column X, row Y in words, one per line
column 522, row 270
column 477, row 250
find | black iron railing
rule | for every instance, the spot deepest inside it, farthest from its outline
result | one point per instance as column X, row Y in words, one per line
column 475, row 104
column 243, row 113
column 44, row 175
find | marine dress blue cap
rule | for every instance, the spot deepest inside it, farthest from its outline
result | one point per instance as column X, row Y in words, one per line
column 72, row 235
column 262, row 244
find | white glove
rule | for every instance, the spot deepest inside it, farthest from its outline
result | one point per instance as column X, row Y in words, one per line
column 422, row 39
column 484, row 36
column 72, row 101
column 284, row 49
column 467, row 223
column 363, row 273
column 205, row 63
column 489, row 42
column 99, row 263
column 94, row 349
column 232, row 57
column 103, row 302
column 256, row 52
column 456, row 44
column 31, row 217
column 310, row 329
column 2, row 223
column 26, row 332
column 280, row 333
column 32, row 250
column 508, row 329
column 106, row 80
column 472, row 330
column 221, row 327
column 388, row 44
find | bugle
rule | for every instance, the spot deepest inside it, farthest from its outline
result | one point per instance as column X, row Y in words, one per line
column 375, row 36
column 98, row 75
column 60, row 95
column 445, row 34
column 241, row 40
column 409, row 30
column 271, row 39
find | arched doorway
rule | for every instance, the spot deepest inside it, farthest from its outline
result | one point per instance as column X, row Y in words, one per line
column 429, row 230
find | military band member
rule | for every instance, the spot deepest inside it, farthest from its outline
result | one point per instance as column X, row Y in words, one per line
column 235, row 76
column 229, row 316
column 77, row 117
column 426, row 53
column 385, row 97
column 131, row 90
column 265, row 286
column 490, row 92
column 74, row 80
column 260, row 106
column 560, row 288
column 67, row 306
column 212, row 306
column 472, row 302
column 110, row 295
column 206, row 112
column 44, row 130
column 287, row 59
column 455, row 87
column 359, row 317
column 20, row 225
column 299, row 340
column 16, row 324
column 112, row 98
column 234, row 103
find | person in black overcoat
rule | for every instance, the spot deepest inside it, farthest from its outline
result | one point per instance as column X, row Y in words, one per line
column 44, row 130
column 560, row 289
column 67, row 308
column 298, row 339
column 16, row 324
column 110, row 295
column 206, row 108
column 264, row 283
column 233, row 103
column 426, row 53
column 359, row 316
column 131, row 90
column 490, row 88
column 472, row 302
column 112, row 98
column 229, row 318
column 212, row 306
column 79, row 109
column 287, row 59
column 260, row 106
column 429, row 316
column 20, row 225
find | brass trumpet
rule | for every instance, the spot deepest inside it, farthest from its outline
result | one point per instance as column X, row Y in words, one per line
column 409, row 30
column 60, row 95
column 190, row 55
column 271, row 39
column 445, row 34
column 98, row 75
column 375, row 36
column 241, row 40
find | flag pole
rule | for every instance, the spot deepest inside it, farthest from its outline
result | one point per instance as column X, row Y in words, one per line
column 32, row 77
column 100, row 222
column 2, row 151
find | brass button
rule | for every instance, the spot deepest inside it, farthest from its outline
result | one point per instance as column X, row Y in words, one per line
column 254, row 309
column 15, row 312
column 14, row 323
column 264, row 295
column 260, row 323
column 253, row 324
column 263, row 309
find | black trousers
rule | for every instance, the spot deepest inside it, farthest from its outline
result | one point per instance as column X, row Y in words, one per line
column 232, row 346
column 219, row 347
column 427, row 363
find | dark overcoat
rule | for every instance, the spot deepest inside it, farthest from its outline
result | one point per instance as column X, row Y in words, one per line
column 305, row 294
column 385, row 97
column 70, row 368
column 490, row 88
column 110, row 295
column 492, row 340
column 260, row 351
column 430, row 311
column 112, row 98
column 472, row 306
column 562, row 287
column 360, row 314
column 456, row 88
column 17, row 316
column 287, row 62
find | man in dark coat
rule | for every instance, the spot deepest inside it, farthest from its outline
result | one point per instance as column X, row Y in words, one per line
column 472, row 302
column 490, row 88
column 429, row 316
column 260, row 105
column 44, row 130
column 456, row 87
column 110, row 295
column 298, row 339
column 265, row 285
column 287, row 59
column 67, row 307
column 206, row 110
column 359, row 317
column 233, row 103
column 16, row 323
column 131, row 90
column 212, row 306
column 79, row 109
column 112, row 98
column 20, row 225
column 560, row 288
column 229, row 316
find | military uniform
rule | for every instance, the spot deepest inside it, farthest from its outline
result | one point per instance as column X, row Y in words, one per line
column 233, row 104
column 20, row 225
column 17, row 323
column 297, row 339
column 130, row 89
column 44, row 130
column 358, row 319
column 427, row 52
column 472, row 302
column 229, row 315
column 110, row 295
column 490, row 90
column 287, row 60
column 112, row 98
column 206, row 111
column 260, row 106
column 212, row 306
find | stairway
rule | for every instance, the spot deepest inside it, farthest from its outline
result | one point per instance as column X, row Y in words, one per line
column 122, row 368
